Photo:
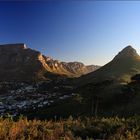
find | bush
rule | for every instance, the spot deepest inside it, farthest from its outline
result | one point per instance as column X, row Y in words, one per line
column 70, row 129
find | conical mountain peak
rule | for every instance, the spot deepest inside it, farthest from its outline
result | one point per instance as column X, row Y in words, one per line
column 128, row 51
column 125, row 64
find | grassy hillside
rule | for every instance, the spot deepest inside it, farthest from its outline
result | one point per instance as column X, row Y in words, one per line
column 118, row 69
column 71, row 129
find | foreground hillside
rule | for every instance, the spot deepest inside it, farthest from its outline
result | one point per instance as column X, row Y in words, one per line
column 71, row 129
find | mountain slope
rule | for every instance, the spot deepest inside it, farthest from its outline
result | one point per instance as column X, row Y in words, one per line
column 121, row 68
column 105, row 87
column 19, row 63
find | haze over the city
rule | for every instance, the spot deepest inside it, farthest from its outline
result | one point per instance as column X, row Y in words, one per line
column 88, row 31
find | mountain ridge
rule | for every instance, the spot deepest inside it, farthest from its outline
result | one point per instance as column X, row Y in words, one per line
column 18, row 62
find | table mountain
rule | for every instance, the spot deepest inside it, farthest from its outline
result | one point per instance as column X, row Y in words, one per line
column 19, row 63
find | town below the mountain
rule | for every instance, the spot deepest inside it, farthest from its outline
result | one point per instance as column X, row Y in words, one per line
column 16, row 98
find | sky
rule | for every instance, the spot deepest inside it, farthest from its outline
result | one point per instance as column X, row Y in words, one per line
column 92, row 32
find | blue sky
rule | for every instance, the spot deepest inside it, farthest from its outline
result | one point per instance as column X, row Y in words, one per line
column 89, row 31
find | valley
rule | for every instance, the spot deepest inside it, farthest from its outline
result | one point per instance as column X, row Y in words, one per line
column 38, row 87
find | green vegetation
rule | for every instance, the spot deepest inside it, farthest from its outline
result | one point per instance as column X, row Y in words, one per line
column 103, row 99
column 63, row 109
column 110, row 98
column 82, row 128
column 119, row 69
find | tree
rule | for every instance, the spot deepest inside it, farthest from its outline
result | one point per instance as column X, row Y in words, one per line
column 136, row 78
column 132, row 89
column 92, row 94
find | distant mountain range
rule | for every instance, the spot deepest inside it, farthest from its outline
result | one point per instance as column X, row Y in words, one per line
column 19, row 63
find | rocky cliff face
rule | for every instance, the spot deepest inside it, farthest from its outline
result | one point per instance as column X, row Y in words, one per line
column 72, row 69
column 17, row 62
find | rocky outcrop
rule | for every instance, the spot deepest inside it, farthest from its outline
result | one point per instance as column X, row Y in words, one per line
column 72, row 69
